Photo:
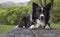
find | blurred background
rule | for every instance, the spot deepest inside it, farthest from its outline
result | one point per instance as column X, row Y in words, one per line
column 12, row 11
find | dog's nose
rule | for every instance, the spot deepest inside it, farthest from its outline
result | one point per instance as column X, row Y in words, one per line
column 42, row 17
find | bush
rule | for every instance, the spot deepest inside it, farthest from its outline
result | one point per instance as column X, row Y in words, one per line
column 56, row 12
column 13, row 14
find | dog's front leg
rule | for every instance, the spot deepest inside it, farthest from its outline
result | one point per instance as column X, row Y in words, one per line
column 47, row 27
column 34, row 26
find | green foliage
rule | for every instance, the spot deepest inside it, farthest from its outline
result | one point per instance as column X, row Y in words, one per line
column 56, row 12
column 13, row 14
column 55, row 25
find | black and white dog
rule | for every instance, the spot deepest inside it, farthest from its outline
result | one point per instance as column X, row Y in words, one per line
column 39, row 18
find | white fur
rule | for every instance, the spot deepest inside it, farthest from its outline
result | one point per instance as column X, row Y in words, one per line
column 32, row 27
column 23, row 26
column 39, row 23
column 30, row 17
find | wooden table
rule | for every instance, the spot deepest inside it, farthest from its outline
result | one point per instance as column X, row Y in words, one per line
column 20, row 32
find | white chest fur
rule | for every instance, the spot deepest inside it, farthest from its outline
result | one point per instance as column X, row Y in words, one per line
column 40, row 23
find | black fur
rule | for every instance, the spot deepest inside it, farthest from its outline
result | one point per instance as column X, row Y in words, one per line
column 47, row 13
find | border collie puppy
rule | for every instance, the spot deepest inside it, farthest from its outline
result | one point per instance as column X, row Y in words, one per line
column 39, row 17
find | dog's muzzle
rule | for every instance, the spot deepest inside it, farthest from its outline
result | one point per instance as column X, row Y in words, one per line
column 41, row 17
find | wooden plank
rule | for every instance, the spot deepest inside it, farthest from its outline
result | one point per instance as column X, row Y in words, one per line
column 20, row 32
column 47, row 33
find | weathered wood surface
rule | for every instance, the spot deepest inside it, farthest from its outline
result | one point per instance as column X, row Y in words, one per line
column 32, row 33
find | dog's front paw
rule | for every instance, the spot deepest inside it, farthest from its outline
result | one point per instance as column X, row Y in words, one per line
column 32, row 27
column 47, row 27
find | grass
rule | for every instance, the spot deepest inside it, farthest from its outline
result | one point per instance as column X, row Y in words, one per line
column 6, row 28
column 55, row 26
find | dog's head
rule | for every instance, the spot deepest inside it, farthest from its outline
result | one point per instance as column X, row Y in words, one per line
column 38, row 11
column 41, row 12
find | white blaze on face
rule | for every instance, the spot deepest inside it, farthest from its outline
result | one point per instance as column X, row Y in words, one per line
column 42, row 8
column 42, row 14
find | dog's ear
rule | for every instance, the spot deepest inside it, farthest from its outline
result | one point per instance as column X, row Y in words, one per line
column 47, row 7
column 35, row 6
